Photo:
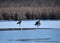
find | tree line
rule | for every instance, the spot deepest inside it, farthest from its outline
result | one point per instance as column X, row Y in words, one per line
column 27, row 16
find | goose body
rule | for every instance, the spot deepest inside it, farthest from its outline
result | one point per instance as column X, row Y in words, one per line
column 38, row 23
column 19, row 22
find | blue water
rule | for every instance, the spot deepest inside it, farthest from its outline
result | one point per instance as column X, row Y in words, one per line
column 31, row 36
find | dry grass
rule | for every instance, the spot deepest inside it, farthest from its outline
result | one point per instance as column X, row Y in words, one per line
column 21, row 11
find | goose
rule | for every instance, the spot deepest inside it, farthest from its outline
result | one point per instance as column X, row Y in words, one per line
column 38, row 23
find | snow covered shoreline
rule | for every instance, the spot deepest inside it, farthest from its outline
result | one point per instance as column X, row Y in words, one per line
column 30, row 24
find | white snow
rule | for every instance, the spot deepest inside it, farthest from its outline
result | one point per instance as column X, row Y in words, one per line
column 30, row 24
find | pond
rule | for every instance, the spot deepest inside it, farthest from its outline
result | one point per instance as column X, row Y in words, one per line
column 49, row 35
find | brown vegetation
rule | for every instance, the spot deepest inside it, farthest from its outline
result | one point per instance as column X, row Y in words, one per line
column 14, row 13
column 29, row 9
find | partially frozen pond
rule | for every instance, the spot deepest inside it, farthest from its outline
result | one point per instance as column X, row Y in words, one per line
column 31, row 36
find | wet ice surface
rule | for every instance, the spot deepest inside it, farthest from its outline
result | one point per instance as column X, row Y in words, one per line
column 31, row 36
